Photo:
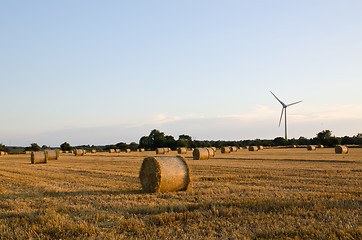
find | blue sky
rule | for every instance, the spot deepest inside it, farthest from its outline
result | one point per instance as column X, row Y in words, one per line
column 101, row 72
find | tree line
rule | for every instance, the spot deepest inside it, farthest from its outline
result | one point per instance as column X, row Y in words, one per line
column 157, row 139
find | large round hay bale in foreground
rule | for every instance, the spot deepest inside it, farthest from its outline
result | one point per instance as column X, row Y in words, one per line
column 200, row 154
column 311, row 148
column 79, row 152
column 160, row 151
column 39, row 157
column 165, row 174
column 340, row 149
column 53, row 154
column 225, row 150
column 253, row 148
column 182, row 150
column 211, row 152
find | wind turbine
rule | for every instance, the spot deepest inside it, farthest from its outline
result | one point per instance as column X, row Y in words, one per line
column 284, row 109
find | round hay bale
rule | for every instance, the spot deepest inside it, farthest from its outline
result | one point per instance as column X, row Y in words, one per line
column 166, row 150
column 311, row 148
column 27, row 152
column 53, row 154
column 200, row 154
column 39, row 157
column 211, row 152
column 93, row 151
column 118, row 150
column 2, row 153
column 260, row 147
column 214, row 148
column 225, row 150
column 253, row 148
column 341, row 149
column 141, row 150
column 160, row 151
column 165, row 174
column 320, row 146
column 111, row 150
column 128, row 150
column 233, row 149
column 79, row 152
column 181, row 150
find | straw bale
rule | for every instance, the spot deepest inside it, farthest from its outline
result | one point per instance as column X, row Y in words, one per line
column 200, row 154
column 141, row 149
column 233, row 149
column 214, row 148
column 160, row 151
column 311, row 148
column 111, row 150
column 27, row 152
column 79, row 152
column 165, row 174
column 182, row 150
column 39, row 157
column 341, row 149
column 225, row 149
column 93, row 151
column 320, row 146
column 2, row 153
column 260, row 147
column 118, row 150
column 166, row 150
column 211, row 152
column 53, row 154
column 128, row 150
column 253, row 148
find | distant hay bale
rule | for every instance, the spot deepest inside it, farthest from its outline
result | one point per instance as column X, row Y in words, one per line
column 253, row 148
column 118, row 150
column 214, row 148
column 79, row 152
column 225, row 150
column 39, row 157
column 53, row 154
column 233, row 149
column 320, row 146
column 260, row 147
column 2, row 153
column 294, row 146
column 141, row 150
column 311, row 148
column 93, row 151
column 182, row 150
column 128, row 150
column 200, row 154
column 165, row 174
column 341, row 149
column 160, row 151
column 211, row 152
column 111, row 150
column 166, row 150
column 27, row 152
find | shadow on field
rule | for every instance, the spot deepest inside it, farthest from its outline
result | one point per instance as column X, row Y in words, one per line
column 70, row 194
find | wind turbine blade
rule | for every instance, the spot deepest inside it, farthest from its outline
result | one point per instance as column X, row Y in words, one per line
column 281, row 116
column 278, row 99
column 294, row 103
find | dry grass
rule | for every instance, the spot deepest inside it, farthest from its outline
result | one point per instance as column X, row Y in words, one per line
column 281, row 193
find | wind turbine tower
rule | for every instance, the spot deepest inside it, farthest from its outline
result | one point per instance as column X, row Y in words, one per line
column 284, row 109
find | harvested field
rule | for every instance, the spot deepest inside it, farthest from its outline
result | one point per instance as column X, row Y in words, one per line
column 275, row 193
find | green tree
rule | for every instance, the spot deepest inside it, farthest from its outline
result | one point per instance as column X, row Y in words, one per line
column 4, row 148
column 133, row 146
column 323, row 137
column 33, row 147
column 145, row 142
column 280, row 141
column 158, row 139
column 65, row 146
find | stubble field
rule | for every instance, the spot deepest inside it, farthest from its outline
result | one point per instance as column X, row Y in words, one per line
column 274, row 193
